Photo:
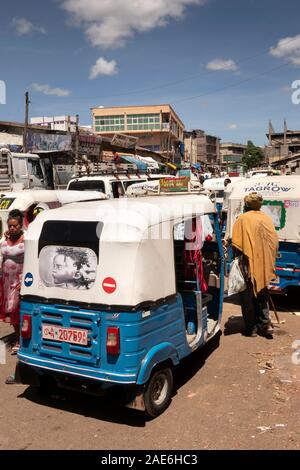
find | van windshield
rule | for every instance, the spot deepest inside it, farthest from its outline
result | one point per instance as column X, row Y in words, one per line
column 94, row 185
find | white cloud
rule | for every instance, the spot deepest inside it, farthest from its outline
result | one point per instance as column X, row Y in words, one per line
column 23, row 27
column 287, row 48
column 222, row 64
column 232, row 126
column 110, row 23
column 103, row 67
column 47, row 90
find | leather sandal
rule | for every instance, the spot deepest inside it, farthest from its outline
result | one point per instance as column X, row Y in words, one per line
column 15, row 349
column 10, row 380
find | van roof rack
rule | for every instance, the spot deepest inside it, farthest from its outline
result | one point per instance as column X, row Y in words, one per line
column 105, row 168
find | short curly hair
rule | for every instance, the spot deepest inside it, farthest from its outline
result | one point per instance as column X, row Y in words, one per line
column 16, row 214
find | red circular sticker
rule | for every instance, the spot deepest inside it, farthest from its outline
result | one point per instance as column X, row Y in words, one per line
column 109, row 285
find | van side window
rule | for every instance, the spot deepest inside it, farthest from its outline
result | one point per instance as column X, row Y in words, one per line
column 117, row 189
column 34, row 168
column 86, row 185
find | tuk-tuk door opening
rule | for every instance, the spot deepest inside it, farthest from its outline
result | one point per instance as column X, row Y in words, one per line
column 197, row 269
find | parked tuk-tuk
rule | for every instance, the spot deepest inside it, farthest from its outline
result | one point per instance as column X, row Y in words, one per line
column 281, row 196
column 117, row 293
column 31, row 202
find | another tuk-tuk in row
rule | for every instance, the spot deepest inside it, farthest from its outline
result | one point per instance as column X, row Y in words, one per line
column 281, row 196
column 32, row 202
column 216, row 189
column 117, row 293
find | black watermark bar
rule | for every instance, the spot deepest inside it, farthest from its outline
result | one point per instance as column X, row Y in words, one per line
column 103, row 459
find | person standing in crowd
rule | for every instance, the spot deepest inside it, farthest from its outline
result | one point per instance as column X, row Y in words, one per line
column 12, row 254
column 227, row 191
column 255, row 239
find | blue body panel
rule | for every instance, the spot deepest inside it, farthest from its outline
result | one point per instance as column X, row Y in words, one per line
column 287, row 266
column 144, row 341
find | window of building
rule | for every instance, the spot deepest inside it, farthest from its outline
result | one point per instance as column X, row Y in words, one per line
column 143, row 122
column 109, row 123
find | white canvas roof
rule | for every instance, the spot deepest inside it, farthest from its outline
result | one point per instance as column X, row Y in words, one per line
column 25, row 198
column 278, row 187
column 281, row 196
column 135, row 247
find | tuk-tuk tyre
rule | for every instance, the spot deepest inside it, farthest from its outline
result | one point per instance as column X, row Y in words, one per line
column 153, row 409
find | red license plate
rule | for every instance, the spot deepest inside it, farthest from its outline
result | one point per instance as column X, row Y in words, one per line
column 65, row 335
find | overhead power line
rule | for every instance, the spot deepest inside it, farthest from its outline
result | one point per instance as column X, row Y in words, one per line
column 232, row 85
column 191, row 77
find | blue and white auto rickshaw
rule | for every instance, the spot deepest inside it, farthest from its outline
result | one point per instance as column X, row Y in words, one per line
column 117, row 293
column 281, row 196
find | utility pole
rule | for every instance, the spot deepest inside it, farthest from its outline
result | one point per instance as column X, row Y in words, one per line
column 68, row 124
column 27, row 102
column 77, row 140
column 169, row 138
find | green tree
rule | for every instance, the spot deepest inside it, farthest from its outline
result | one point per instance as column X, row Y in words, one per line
column 253, row 156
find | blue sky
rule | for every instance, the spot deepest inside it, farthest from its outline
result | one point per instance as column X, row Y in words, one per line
column 226, row 66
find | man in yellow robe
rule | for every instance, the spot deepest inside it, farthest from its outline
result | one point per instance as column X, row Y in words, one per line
column 254, row 236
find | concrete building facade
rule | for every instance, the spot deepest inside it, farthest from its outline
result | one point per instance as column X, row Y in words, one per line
column 56, row 123
column 281, row 144
column 157, row 127
column 201, row 147
column 231, row 152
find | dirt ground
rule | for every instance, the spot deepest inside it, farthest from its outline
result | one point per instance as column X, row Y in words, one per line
column 236, row 393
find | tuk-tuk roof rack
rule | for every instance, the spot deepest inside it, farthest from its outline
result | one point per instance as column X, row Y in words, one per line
column 105, row 169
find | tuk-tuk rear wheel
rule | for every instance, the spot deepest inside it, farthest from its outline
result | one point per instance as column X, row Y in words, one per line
column 158, row 392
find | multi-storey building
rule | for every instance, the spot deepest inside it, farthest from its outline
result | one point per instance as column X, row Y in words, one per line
column 281, row 144
column 157, row 127
column 231, row 153
column 201, row 147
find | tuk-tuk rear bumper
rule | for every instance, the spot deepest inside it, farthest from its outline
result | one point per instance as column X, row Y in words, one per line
column 43, row 365
column 131, row 396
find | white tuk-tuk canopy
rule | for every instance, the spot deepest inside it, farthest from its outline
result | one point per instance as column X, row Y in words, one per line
column 281, row 196
column 217, row 184
column 121, row 251
column 43, row 199
column 23, row 199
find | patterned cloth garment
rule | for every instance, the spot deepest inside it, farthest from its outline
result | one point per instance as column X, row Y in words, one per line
column 11, row 278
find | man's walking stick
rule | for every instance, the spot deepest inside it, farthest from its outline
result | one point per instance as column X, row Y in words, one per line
column 275, row 311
